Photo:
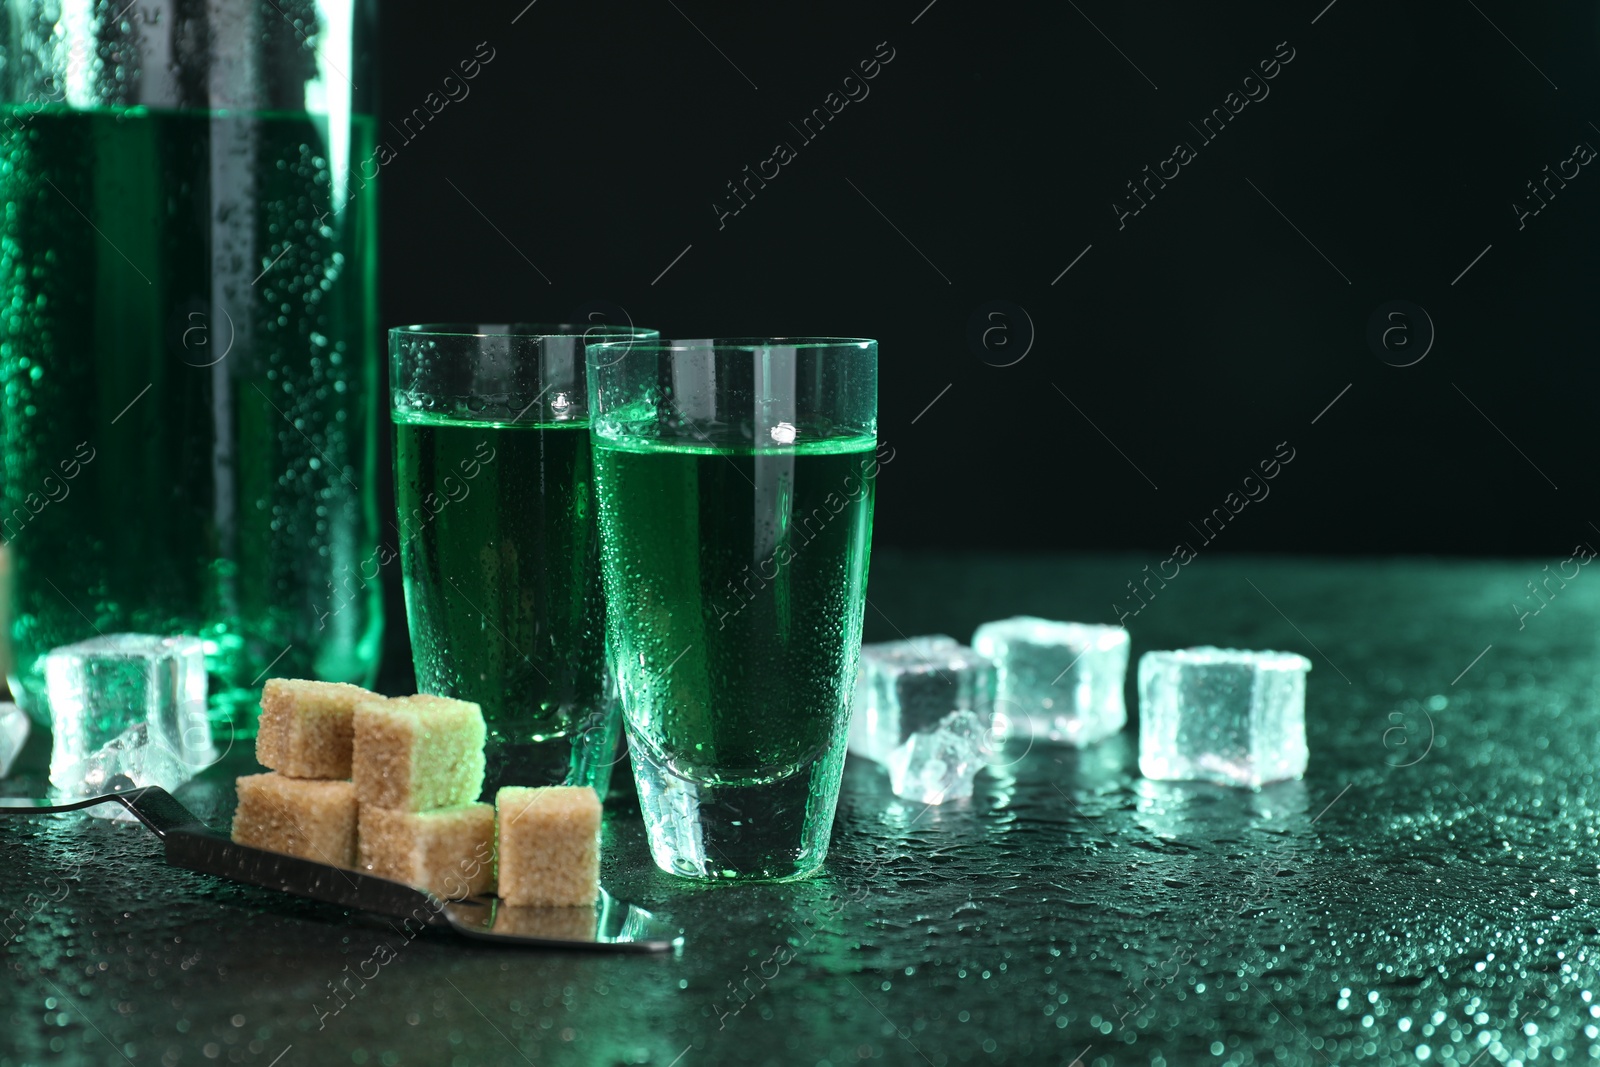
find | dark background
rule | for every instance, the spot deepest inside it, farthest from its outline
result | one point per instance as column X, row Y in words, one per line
column 1177, row 352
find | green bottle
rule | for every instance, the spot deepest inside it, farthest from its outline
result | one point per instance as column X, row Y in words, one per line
column 188, row 348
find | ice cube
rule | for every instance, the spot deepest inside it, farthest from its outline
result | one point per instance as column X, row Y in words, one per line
column 13, row 735
column 136, row 757
column 1064, row 679
column 100, row 687
column 1222, row 715
column 939, row 764
column 904, row 687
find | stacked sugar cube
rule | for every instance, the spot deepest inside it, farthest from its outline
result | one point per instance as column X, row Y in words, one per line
column 390, row 787
column 417, row 768
column 306, row 805
column 386, row 786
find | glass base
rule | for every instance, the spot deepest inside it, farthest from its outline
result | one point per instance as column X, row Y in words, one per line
column 583, row 758
column 770, row 832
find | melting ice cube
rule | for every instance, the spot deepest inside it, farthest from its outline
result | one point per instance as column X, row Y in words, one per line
column 1064, row 679
column 939, row 764
column 1223, row 715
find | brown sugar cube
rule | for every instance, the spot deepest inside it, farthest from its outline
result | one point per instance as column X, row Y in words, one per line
column 306, row 727
column 306, row 817
column 449, row 852
column 547, row 844
column 418, row 753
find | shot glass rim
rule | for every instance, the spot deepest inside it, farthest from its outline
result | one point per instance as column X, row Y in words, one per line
column 737, row 344
column 526, row 331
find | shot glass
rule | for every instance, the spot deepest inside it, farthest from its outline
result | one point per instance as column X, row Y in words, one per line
column 498, row 542
column 735, row 481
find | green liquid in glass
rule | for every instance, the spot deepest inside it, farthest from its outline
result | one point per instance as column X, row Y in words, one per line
column 189, row 378
column 736, row 580
column 500, row 556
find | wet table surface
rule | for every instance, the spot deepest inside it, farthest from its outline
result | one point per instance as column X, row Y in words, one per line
column 1425, row 895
